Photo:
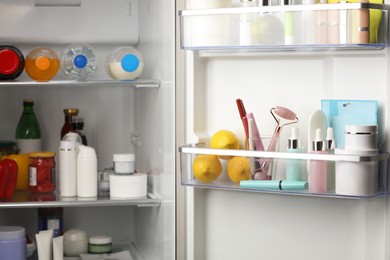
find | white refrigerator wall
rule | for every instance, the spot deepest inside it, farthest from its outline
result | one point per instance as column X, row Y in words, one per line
column 118, row 118
column 243, row 225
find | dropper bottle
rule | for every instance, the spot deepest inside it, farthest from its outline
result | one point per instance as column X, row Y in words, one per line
column 330, row 146
column 294, row 167
column 318, row 180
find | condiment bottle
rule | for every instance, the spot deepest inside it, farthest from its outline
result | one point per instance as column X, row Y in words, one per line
column 28, row 132
column 124, row 63
column 11, row 62
column 42, row 64
column 67, row 127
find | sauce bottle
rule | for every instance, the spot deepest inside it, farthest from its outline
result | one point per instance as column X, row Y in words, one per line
column 67, row 127
column 42, row 64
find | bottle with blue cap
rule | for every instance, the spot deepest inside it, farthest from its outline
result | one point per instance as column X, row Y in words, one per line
column 124, row 63
column 79, row 61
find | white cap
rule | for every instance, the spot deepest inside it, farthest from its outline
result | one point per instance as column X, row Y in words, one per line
column 86, row 152
column 11, row 232
column 100, row 240
column 124, row 157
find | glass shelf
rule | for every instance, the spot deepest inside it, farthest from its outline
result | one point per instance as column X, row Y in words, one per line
column 25, row 199
column 314, row 27
column 188, row 154
column 137, row 83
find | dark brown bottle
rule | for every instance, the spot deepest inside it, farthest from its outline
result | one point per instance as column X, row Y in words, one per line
column 67, row 127
column 78, row 125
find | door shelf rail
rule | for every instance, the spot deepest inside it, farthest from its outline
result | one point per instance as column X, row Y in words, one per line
column 188, row 153
column 25, row 199
column 136, row 83
column 285, row 28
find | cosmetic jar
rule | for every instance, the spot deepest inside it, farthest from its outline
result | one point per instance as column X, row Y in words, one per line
column 124, row 163
column 128, row 186
column 361, row 137
column 356, row 178
column 75, row 242
column 13, row 243
column 99, row 245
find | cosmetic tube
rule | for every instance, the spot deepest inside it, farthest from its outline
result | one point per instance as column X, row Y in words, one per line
column 45, row 244
column 86, row 172
column 294, row 167
column 274, row 184
column 58, row 248
column 318, row 180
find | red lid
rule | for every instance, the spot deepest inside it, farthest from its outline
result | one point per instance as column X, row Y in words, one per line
column 9, row 61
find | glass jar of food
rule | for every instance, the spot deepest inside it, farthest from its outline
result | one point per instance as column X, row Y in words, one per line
column 42, row 172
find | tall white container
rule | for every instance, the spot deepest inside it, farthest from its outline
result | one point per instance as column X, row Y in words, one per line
column 68, row 168
column 86, row 172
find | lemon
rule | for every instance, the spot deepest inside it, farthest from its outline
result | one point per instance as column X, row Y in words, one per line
column 206, row 168
column 238, row 169
column 224, row 139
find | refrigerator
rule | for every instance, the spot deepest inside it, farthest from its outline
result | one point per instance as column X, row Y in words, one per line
column 195, row 68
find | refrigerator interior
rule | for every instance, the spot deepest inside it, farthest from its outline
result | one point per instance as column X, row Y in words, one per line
column 120, row 117
column 231, row 224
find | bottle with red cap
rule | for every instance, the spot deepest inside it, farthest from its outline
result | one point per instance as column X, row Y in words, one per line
column 11, row 62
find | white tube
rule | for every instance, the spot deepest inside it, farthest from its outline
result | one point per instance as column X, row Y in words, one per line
column 44, row 244
column 58, row 248
column 68, row 169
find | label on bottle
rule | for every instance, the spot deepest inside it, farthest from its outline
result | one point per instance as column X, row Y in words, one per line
column 29, row 145
column 32, row 176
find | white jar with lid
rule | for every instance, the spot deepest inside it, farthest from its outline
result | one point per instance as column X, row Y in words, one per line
column 361, row 137
column 12, row 243
column 124, row 163
column 124, row 63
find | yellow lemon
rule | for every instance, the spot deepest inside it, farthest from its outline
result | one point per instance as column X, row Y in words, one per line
column 238, row 169
column 224, row 139
column 206, row 168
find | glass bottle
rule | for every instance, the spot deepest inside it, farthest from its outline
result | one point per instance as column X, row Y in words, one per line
column 67, row 127
column 78, row 125
column 28, row 132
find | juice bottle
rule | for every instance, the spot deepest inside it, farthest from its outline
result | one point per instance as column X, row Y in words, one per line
column 42, row 64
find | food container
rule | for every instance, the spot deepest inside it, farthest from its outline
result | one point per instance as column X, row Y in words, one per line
column 42, row 172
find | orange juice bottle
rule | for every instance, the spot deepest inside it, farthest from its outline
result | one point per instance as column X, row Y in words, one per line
column 42, row 64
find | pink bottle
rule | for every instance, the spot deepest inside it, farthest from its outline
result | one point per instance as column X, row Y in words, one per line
column 318, row 180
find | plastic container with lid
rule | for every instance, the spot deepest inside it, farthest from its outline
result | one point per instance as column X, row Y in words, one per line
column 75, row 242
column 124, row 63
column 42, row 64
column 11, row 62
column 42, row 172
column 124, row 163
column 13, row 243
column 79, row 61
column 99, row 245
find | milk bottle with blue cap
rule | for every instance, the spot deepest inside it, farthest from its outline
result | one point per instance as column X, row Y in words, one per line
column 124, row 63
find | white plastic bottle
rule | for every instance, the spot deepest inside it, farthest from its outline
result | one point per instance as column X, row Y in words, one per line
column 124, row 63
column 68, row 169
column 86, row 172
column 79, row 61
